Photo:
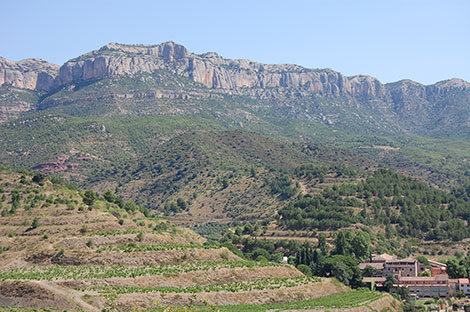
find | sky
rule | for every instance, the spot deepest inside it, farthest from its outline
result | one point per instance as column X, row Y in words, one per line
column 423, row 40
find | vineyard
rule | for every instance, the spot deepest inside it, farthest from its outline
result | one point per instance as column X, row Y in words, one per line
column 86, row 251
column 67, row 272
column 134, row 247
column 258, row 284
column 350, row 299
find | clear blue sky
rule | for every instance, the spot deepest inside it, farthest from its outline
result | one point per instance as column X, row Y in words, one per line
column 426, row 40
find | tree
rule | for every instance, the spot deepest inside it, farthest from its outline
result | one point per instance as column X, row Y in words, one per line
column 224, row 183
column 181, row 203
column 39, row 177
column 322, row 245
column 340, row 271
column 35, row 223
column 455, row 269
column 89, row 197
column 423, row 260
column 370, row 271
column 331, row 268
column 253, row 172
column 109, row 196
column 130, row 206
column 360, row 246
column 342, row 246
column 389, row 282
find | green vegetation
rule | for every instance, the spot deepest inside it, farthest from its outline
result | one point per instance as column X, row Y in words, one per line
column 133, row 247
column 255, row 284
column 51, row 208
column 458, row 268
column 87, row 271
column 385, row 198
column 353, row 298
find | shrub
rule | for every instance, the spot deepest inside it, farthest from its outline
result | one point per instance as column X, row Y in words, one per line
column 35, row 223
column 305, row 269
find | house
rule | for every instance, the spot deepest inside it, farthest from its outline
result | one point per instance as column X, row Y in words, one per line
column 420, row 286
column 390, row 265
column 464, row 285
column 403, row 267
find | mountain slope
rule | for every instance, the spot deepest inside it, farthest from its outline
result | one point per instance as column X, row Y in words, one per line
column 64, row 249
column 156, row 160
column 168, row 79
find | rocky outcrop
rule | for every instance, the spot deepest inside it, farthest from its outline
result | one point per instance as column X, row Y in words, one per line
column 212, row 70
column 237, row 76
column 289, row 89
column 408, row 95
column 32, row 74
column 243, row 77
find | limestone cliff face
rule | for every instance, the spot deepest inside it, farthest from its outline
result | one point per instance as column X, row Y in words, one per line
column 409, row 95
column 289, row 86
column 32, row 74
column 243, row 77
column 213, row 71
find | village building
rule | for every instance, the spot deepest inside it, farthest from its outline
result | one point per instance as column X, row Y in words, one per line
column 390, row 265
column 407, row 274
column 419, row 286
column 464, row 285
column 437, row 268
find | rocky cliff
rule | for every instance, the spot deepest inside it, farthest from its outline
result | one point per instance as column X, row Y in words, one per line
column 290, row 90
column 32, row 74
column 239, row 76
column 212, row 70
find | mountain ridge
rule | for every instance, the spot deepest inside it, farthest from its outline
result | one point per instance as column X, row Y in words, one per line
column 171, row 51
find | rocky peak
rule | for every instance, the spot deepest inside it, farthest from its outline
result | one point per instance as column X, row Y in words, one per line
column 235, row 76
column 454, row 83
column 167, row 50
column 408, row 90
column 366, row 86
column 239, row 76
column 32, row 73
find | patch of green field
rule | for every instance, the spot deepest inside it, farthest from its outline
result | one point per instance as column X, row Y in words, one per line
column 257, row 284
column 64, row 272
column 352, row 298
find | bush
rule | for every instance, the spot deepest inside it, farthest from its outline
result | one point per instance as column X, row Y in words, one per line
column 305, row 269
column 35, row 223
column 89, row 197
column 261, row 259
column 39, row 177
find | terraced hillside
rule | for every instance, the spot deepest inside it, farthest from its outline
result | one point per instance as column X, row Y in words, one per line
column 70, row 250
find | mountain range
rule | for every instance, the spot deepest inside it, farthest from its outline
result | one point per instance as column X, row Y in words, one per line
column 152, row 122
column 170, row 72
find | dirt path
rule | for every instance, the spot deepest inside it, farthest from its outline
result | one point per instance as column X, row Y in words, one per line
column 75, row 296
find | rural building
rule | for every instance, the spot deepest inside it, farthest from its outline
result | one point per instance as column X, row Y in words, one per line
column 420, row 286
column 464, row 285
column 390, row 265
